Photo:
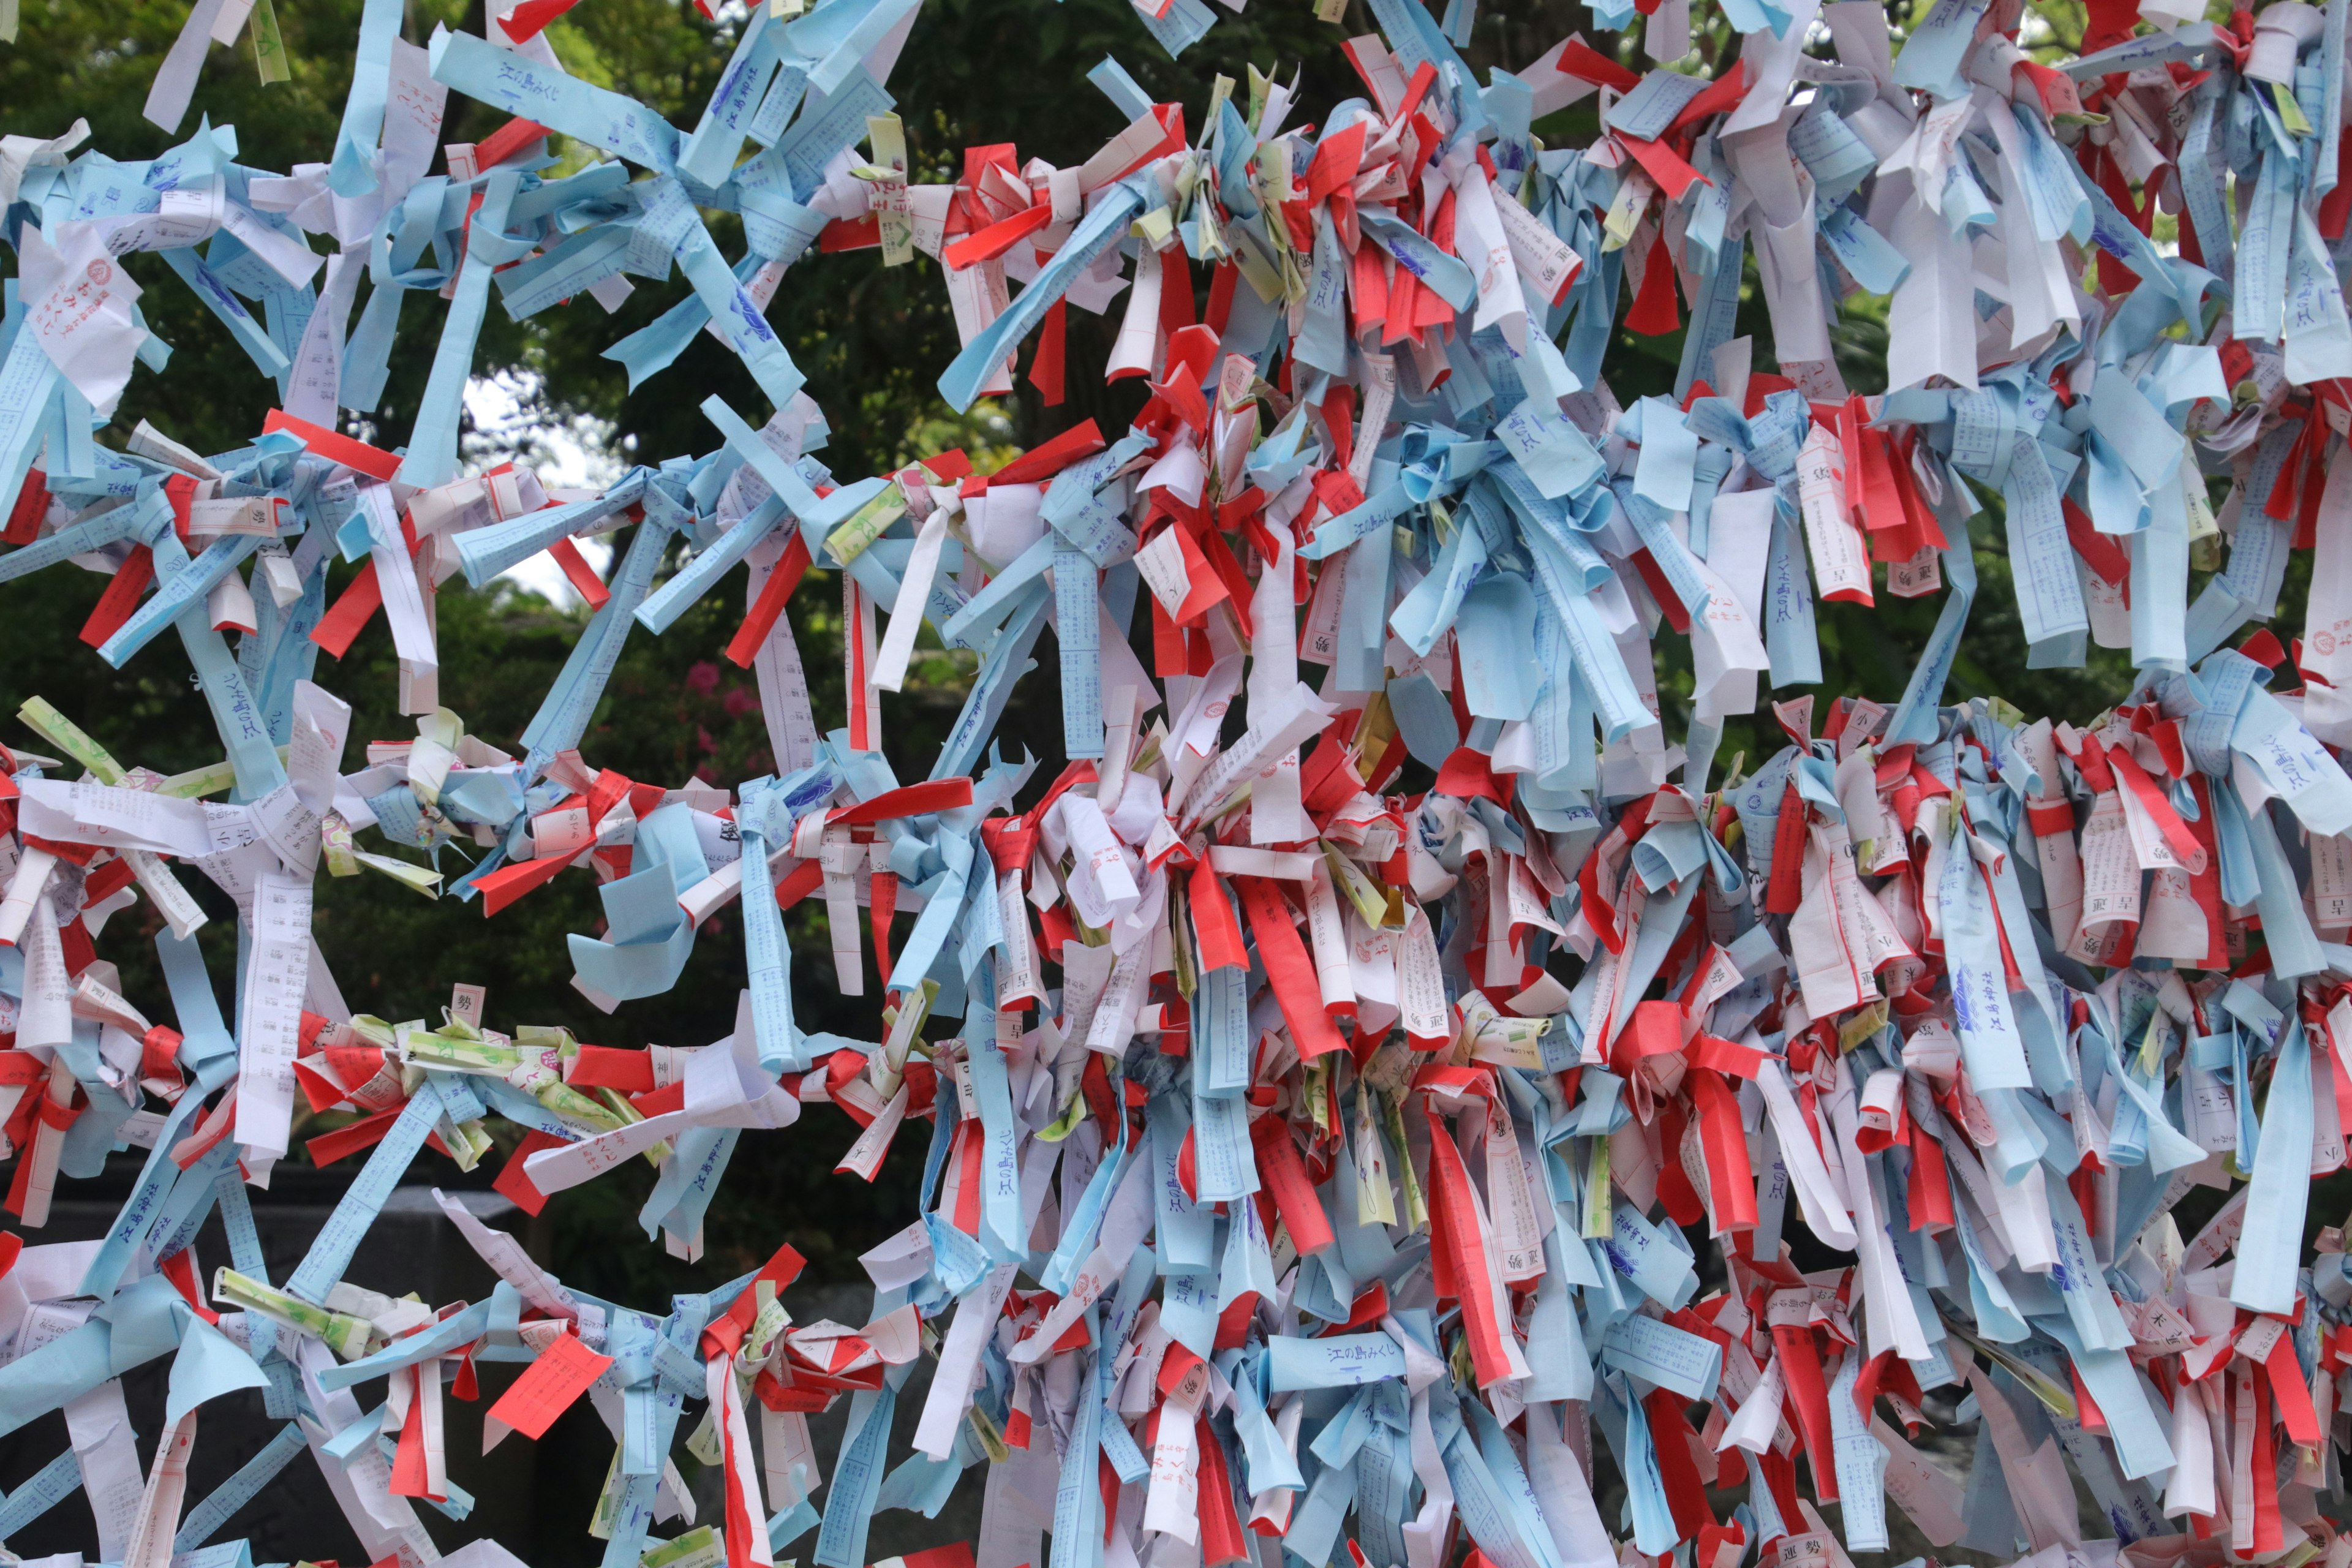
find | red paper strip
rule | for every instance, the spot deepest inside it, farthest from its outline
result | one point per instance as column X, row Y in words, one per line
column 549, row 1386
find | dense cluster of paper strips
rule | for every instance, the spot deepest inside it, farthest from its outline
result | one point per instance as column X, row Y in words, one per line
column 1312, row 1168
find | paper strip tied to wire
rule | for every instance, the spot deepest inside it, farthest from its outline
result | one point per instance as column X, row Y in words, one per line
column 1379, row 1095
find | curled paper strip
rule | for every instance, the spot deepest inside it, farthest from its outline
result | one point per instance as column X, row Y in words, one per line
column 1313, row 1166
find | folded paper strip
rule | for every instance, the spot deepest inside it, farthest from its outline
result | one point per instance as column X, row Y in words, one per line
column 1311, row 1166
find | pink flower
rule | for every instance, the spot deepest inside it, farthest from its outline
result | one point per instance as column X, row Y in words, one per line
column 702, row 677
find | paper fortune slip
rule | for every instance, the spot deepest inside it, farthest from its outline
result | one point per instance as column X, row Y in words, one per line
column 1388, row 1085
